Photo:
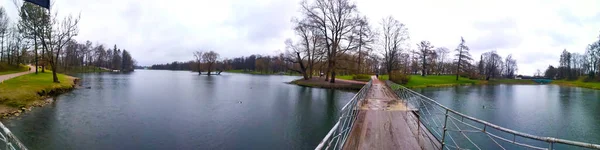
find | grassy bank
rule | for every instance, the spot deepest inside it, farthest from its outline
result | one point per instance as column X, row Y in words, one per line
column 262, row 73
column 85, row 69
column 318, row 83
column 24, row 90
column 9, row 69
column 360, row 77
column 578, row 83
column 417, row 81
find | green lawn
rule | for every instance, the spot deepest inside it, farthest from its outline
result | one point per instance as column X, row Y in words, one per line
column 510, row 81
column 85, row 69
column 9, row 69
column 23, row 90
column 260, row 73
column 578, row 83
column 417, row 81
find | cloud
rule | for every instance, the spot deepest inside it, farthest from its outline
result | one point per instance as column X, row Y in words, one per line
column 159, row 31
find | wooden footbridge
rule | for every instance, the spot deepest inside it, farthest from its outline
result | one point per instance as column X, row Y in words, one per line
column 384, row 115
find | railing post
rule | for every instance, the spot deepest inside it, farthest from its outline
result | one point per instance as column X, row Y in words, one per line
column 444, row 134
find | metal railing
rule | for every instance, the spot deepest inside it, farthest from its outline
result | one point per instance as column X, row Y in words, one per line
column 336, row 137
column 9, row 141
column 455, row 130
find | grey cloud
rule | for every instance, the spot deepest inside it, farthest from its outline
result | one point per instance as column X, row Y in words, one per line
column 568, row 17
column 536, row 57
column 263, row 22
column 558, row 39
column 499, row 34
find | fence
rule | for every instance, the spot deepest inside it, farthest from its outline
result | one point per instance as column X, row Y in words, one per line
column 10, row 141
column 455, row 130
column 336, row 137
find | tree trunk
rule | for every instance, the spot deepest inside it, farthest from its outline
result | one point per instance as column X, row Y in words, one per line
column 44, row 62
column 458, row 64
column 302, row 68
column 332, row 71
column 54, row 67
column 209, row 68
column 199, row 70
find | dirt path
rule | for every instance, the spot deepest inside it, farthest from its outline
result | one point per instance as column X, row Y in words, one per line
column 381, row 123
column 9, row 76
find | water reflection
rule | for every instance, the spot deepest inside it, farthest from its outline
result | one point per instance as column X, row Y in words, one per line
column 544, row 110
column 182, row 110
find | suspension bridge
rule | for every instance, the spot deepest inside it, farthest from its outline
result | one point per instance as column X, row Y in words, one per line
column 385, row 115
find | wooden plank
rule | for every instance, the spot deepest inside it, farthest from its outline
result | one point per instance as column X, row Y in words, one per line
column 382, row 122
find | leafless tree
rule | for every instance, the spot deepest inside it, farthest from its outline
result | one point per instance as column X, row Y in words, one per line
column 425, row 49
column 198, row 55
column 394, row 35
column 442, row 53
column 366, row 37
column 293, row 53
column 3, row 30
column 510, row 66
column 210, row 58
column 335, row 19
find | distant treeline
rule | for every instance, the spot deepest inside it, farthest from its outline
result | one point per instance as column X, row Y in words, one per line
column 27, row 41
column 574, row 65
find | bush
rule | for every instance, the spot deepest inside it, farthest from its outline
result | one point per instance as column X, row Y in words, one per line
column 399, row 77
column 361, row 77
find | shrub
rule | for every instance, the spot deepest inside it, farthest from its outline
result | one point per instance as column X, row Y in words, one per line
column 399, row 77
column 361, row 77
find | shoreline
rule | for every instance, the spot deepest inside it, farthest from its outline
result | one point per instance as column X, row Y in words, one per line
column 45, row 96
column 341, row 84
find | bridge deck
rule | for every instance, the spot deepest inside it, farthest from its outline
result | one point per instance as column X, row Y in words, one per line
column 381, row 123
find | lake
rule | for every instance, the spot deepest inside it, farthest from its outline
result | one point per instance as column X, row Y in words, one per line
column 570, row 113
column 151, row 109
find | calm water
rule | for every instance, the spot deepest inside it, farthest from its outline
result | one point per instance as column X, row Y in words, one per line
column 181, row 110
column 545, row 110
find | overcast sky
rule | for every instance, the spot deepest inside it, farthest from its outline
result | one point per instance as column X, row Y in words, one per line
column 162, row 31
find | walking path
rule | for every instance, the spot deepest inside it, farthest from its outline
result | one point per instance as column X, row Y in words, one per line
column 9, row 76
column 381, row 123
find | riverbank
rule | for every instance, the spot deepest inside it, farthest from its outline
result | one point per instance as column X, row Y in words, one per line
column 417, row 81
column 578, row 83
column 262, row 73
column 32, row 90
column 319, row 82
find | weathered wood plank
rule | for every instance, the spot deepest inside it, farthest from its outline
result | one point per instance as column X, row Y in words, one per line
column 382, row 122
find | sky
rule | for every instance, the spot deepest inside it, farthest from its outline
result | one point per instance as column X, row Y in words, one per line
column 159, row 31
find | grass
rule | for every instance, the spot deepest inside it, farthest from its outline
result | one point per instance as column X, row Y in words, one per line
column 417, row 81
column 86, row 69
column 261, row 73
column 9, row 69
column 510, row 81
column 24, row 90
column 578, row 83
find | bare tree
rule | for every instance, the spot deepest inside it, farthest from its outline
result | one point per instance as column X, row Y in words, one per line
column 293, row 55
column 198, row 55
column 442, row 53
column 493, row 63
column 425, row 49
column 3, row 30
column 311, row 46
column 510, row 66
column 394, row 35
column 210, row 58
column 335, row 20
column 463, row 57
column 365, row 39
